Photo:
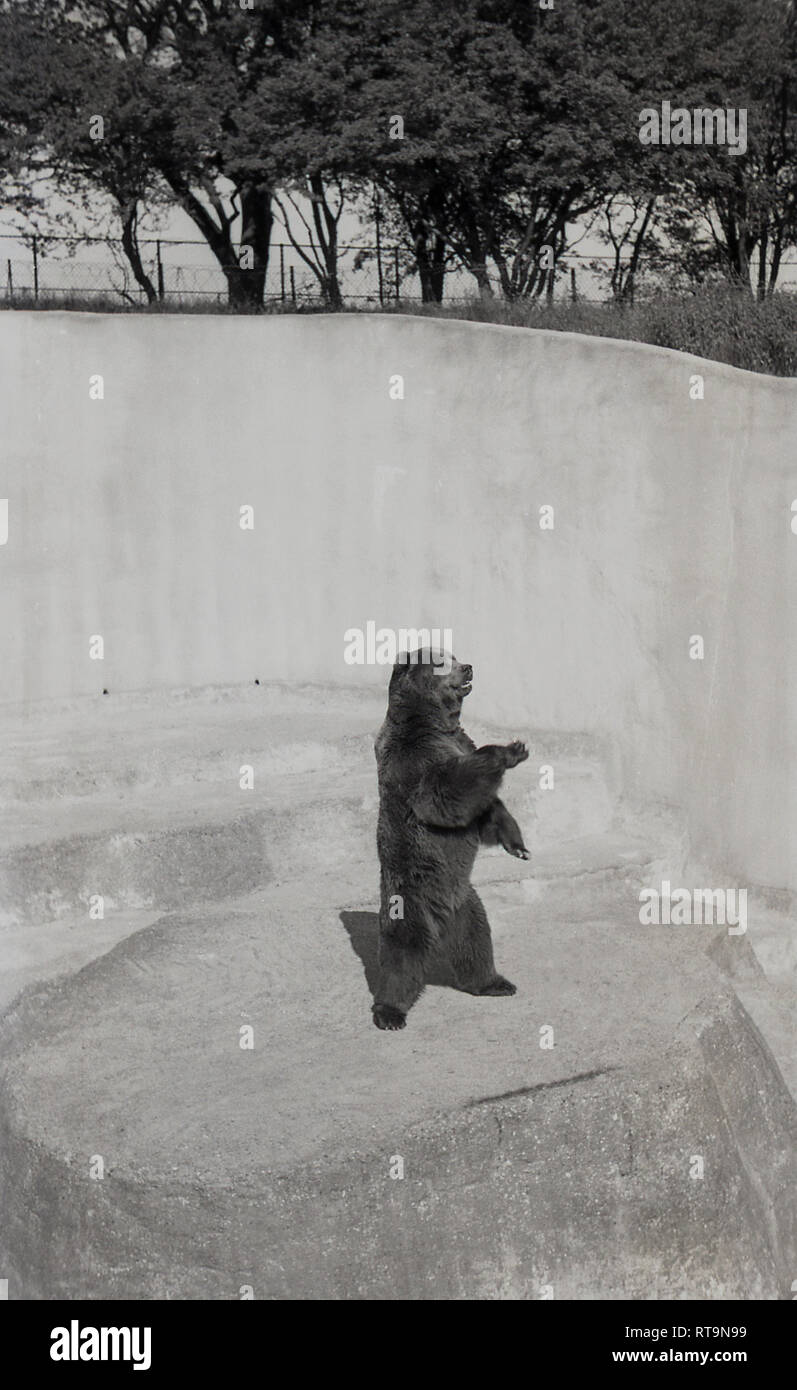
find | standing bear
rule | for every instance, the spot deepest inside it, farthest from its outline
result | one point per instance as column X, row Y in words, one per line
column 437, row 804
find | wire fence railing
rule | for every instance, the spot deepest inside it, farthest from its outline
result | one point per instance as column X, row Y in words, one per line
column 180, row 272
column 58, row 269
column 49, row 267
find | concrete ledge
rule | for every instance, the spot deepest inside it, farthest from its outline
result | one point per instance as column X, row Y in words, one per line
column 140, row 800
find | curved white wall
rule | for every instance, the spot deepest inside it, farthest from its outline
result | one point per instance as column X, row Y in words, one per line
column 672, row 519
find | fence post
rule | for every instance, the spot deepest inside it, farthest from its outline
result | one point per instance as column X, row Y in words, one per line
column 282, row 272
column 35, row 247
column 549, row 286
column 573, row 283
column 396, row 268
column 293, row 286
column 160, row 272
column 378, row 222
column 9, row 280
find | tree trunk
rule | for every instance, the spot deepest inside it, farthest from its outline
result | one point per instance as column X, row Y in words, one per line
column 503, row 274
column 478, row 249
column 247, row 283
column 331, row 292
column 763, row 250
column 244, row 287
column 478, row 269
column 326, row 225
column 130, row 246
column 431, row 268
column 423, row 263
column 438, row 269
column 628, row 287
column 777, row 252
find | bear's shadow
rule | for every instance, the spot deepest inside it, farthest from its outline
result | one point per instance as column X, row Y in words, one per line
column 363, row 930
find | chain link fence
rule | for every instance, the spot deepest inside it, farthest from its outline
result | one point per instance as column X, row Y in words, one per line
column 58, row 269
column 53, row 268
column 66, row 270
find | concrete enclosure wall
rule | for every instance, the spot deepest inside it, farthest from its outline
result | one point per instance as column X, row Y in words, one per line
column 672, row 519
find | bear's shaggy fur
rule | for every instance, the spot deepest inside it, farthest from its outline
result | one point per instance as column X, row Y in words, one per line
column 437, row 804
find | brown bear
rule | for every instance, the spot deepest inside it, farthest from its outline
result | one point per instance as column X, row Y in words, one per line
column 437, row 804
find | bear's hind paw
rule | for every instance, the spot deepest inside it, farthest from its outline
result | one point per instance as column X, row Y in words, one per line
column 499, row 986
column 388, row 1018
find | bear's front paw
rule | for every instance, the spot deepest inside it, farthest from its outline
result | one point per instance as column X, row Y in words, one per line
column 515, row 753
column 519, row 851
column 385, row 1016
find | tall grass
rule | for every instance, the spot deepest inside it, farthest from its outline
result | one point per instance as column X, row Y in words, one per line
column 724, row 325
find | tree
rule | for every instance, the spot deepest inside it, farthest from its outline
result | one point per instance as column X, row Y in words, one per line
column 187, row 70
column 626, row 223
column 748, row 202
column 487, row 128
column 721, row 211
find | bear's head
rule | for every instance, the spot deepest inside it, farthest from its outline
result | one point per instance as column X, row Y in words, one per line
column 429, row 686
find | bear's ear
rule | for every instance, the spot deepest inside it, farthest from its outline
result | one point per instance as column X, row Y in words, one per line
column 420, row 657
column 401, row 666
column 404, row 667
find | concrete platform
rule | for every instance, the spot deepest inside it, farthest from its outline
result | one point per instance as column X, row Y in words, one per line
column 522, row 1166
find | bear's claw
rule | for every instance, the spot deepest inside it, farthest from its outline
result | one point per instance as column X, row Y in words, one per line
column 516, row 752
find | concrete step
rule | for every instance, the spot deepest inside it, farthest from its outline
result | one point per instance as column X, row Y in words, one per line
column 140, row 800
column 169, row 850
column 170, row 854
column 524, row 1166
column 124, row 741
column 593, row 874
column 124, row 744
column 61, row 948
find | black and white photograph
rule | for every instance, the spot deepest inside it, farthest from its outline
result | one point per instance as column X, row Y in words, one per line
column 398, row 662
